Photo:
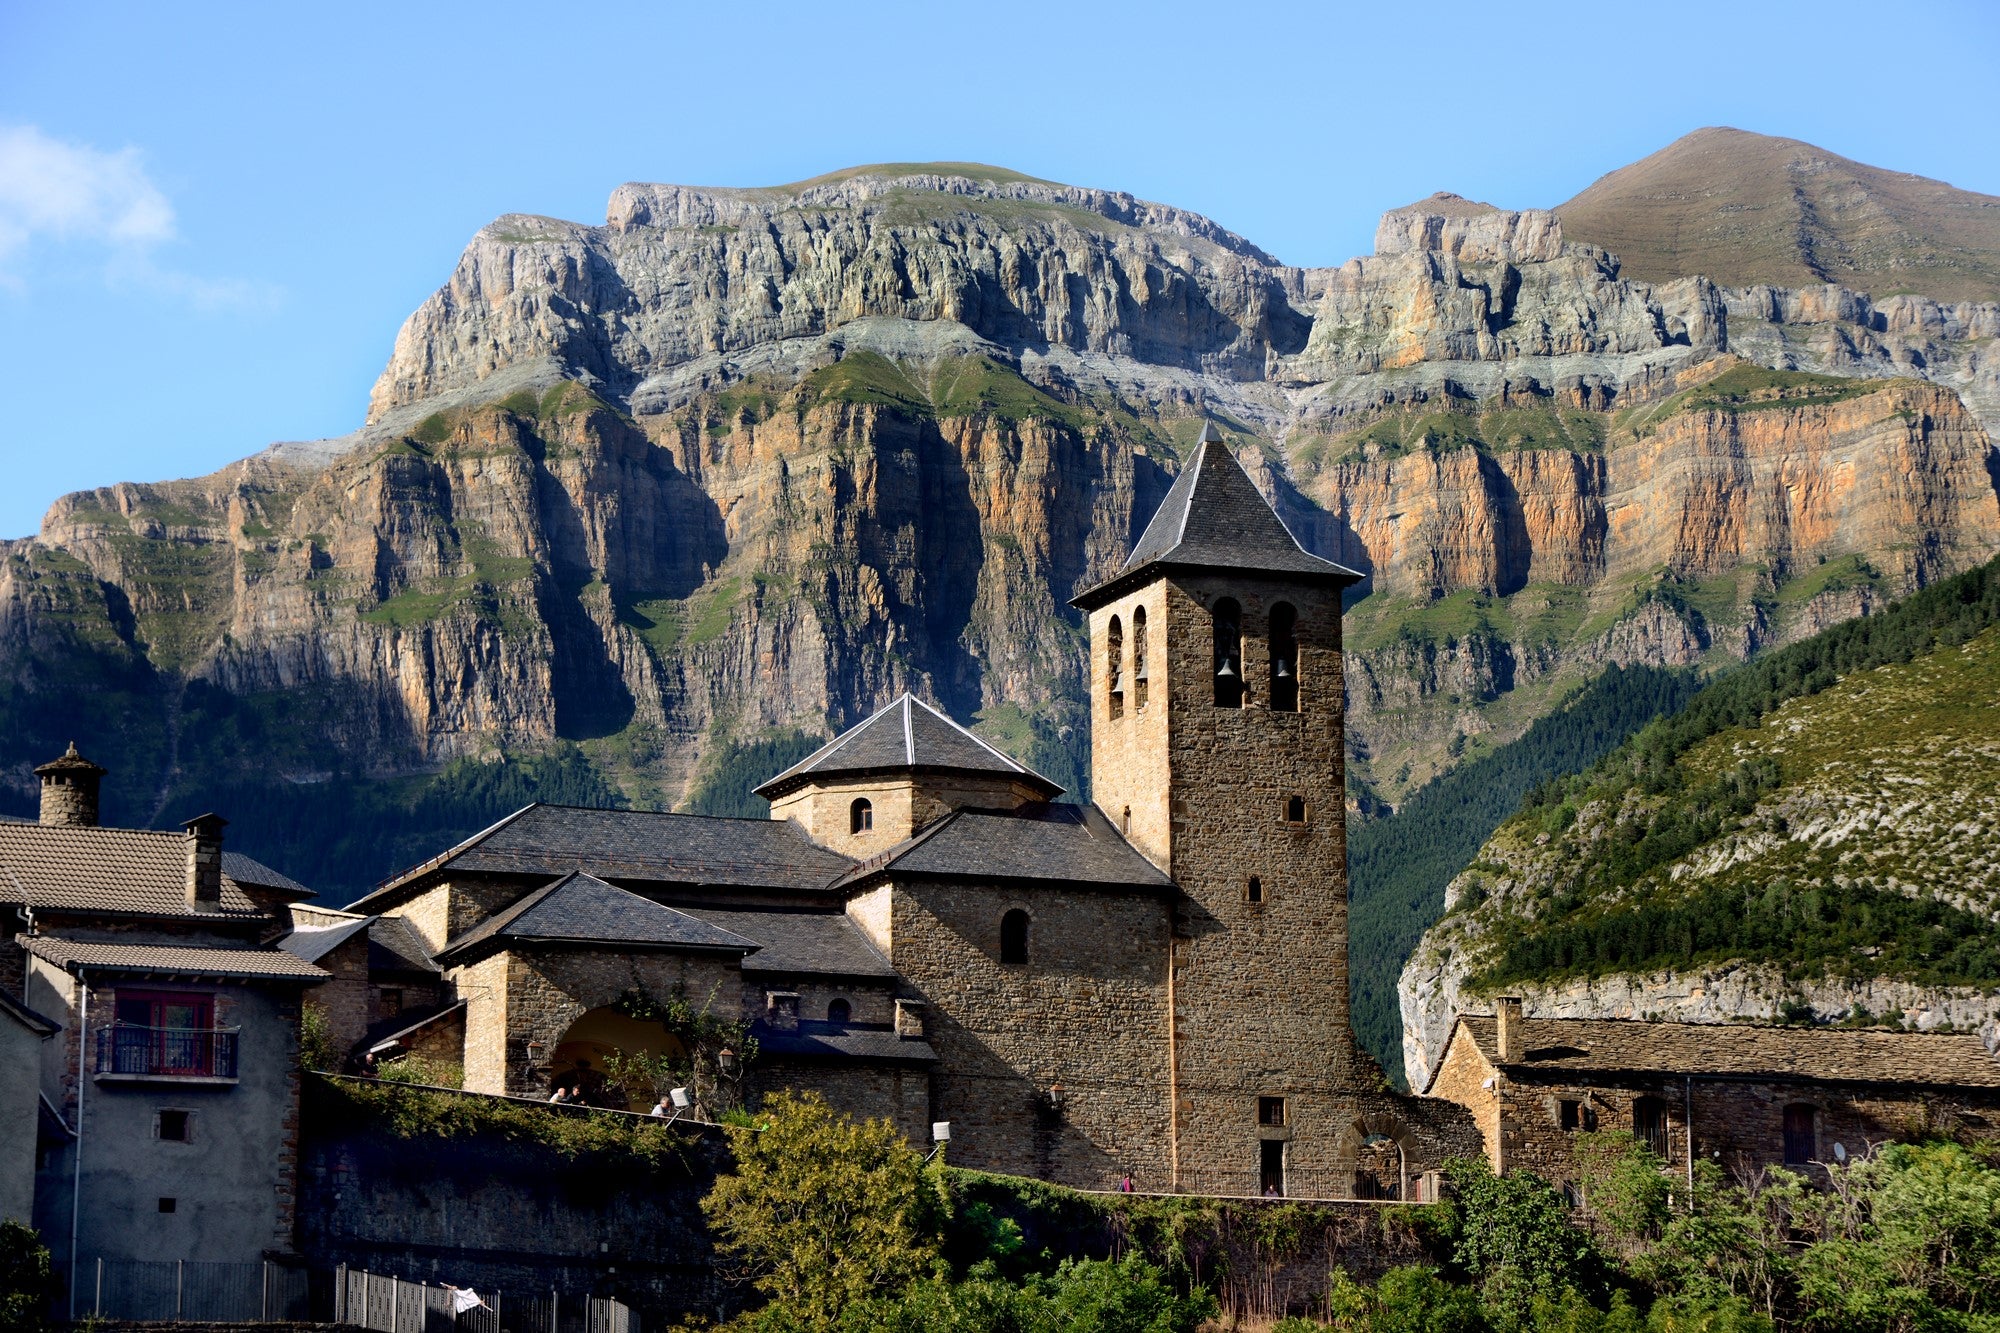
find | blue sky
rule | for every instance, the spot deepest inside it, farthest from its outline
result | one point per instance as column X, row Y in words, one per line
column 213, row 218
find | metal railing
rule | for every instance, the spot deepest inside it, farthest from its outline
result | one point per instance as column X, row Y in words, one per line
column 391, row 1305
column 125, row 1048
column 192, row 1291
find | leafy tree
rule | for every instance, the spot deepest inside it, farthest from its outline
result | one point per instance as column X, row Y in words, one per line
column 27, row 1278
column 1514, row 1237
column 822, row 1211
column 317, row 1048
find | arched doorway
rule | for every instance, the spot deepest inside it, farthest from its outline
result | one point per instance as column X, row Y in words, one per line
column 1374, row 1156
column 583, row 1059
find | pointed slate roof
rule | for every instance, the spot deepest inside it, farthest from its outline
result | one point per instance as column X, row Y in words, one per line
column 907, row 734
column 583, row 909
column 1215, row 518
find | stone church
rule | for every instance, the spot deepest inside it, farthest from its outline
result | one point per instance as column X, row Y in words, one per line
column 1152, row 986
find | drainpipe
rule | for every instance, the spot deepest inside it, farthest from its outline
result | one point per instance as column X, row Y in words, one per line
column 1687, row 1095
column 76, row 1175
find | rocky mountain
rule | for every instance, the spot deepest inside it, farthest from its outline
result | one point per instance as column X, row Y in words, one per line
column 641, row 501
column 1810, row 839
column 1741, row 209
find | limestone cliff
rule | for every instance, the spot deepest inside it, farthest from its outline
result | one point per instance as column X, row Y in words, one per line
column 743, row 460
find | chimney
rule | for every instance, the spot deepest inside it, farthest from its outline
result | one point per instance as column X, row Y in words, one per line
column 202, row 836
column 1508, row 1010
column 69, row 790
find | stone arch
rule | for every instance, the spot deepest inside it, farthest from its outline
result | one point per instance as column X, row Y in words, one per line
column 579, row 1058
column 1375, row 1154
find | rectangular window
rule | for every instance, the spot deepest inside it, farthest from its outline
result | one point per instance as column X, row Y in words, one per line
column 1271, row 1111
column 1649, row 1124
column 1271, row 1168
column 1800, row 1145
column 166, row 1205
column 165, row 1033
column 172, row 1127
column 1571, row 1115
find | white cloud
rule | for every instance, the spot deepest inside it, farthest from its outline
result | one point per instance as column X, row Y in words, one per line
column 69, row 192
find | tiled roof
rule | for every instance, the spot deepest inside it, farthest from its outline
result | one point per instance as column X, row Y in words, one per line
column 313, row 943
column 248, row 870
column 26, row 1017
column 582, row 909
column 905, row 734
column 845, row 1041
column 391, row 1031
column 105, row 870
column 395, row 946
column 175, row 960
column 645, row 845
column 801, row 943
column 1631, row 1046
column 1072, row 843
column 1215, row 518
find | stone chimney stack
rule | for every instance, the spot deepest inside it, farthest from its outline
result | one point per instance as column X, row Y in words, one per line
column 203, row 836
column 1508, row 1010
column 69, row 790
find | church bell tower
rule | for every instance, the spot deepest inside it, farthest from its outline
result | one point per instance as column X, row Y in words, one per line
column 1216, row 729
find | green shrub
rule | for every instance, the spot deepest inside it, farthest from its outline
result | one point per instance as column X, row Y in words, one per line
column 27, row 1278
column 423, row 1070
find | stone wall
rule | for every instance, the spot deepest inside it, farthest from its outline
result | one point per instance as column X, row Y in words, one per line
column 446, row 909
column 519, row 1218
column 1087, row 1011
column 900, row 806
column 899, row 1094
column 549, row 988
column 347, row 1000
column 1738, row 1123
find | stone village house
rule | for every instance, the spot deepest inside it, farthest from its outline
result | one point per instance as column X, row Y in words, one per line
column 1744, row 1096
column 163, row 1105
column 1153, row 985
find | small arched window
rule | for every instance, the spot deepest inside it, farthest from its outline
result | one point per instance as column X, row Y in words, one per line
column 1014, row 937
column 860, row 816
column 1139, row 659
column 1284, row 659
column 1114, row 665
column 1801, row 1140
column 1295, row 810
column 1125, row 822
column 1228, row 654
column 1253, row 889
column 839, row 1011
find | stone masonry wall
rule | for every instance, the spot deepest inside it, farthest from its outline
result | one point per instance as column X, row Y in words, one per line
column 1262, row 1002
column 899, row 1094
column 1088, row 1011
column 548, row 989
column 483, row 988
column 900, row 806
column 1737, row 1123
column 346, row 1001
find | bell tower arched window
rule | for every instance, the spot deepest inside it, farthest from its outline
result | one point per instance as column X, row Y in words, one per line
column 1114, row 667
column 1284, row 658
column 860, row 816
column 1228, row 654
column 1139, row 659
column 1014, row 937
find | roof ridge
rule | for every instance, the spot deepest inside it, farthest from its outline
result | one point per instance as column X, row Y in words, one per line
column 951, row 722
column 909, row 741
column 1194, row 484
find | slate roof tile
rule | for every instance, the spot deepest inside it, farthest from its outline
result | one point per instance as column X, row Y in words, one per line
column 1072, row 843
column 643, row 845
column 246, row 963
column 907, row 733
column 801, row 943
column 1215, row 518
column 582, row 909
column 1632, row 1046
column 849, row 1041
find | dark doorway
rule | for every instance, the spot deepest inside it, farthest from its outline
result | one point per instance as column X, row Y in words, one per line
column 1271, row 1168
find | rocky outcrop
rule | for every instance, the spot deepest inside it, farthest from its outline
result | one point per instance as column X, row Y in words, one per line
column 744, row 459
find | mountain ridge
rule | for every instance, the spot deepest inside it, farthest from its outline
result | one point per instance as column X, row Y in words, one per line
column 664, row 493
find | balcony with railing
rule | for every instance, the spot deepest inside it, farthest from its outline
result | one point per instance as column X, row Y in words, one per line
column 128, row 1051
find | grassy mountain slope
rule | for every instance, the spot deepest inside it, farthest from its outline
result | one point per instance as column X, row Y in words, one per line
column 1830, row 810
column 1743, row 208
column 1398, row 866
